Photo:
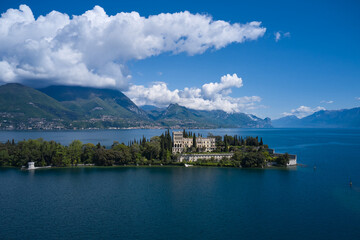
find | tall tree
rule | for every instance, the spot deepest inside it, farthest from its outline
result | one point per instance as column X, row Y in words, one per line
column 194, row 141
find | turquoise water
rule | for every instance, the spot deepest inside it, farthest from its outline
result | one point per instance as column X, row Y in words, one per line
column 190, row 203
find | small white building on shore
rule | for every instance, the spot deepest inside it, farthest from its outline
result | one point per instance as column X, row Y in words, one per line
column 31, row 165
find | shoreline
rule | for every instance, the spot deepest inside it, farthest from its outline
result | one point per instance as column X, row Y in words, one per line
column 157, row 166
column 158, row 151
column 131, row 128
column 179, row 128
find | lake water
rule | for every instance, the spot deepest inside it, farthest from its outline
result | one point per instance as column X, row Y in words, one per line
column 190, row 203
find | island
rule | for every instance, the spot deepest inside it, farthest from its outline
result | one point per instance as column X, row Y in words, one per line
column 179, row 148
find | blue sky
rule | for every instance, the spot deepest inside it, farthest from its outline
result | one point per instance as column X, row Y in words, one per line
column 314, row 64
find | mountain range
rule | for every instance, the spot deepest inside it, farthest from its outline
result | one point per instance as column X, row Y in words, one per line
column 74, row 107
column 176, row 115
column 69, row 107
column 344, row 118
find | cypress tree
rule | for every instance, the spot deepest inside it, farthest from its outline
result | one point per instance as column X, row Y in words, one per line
column 162, row 147
column 169, row 141
column 194, row 141
column 143, row 141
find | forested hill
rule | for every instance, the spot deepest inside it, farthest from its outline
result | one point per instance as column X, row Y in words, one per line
column 81, row 98
column 20, row 102
column 61, row 107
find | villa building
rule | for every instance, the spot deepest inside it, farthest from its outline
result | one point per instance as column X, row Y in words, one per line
column 181, row 143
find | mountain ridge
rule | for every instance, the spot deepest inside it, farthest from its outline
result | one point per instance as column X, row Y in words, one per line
column 174, row 113
column 79, row 107
column 342, row 118
column 71, row 94
column 19, row 99
column 75, row 107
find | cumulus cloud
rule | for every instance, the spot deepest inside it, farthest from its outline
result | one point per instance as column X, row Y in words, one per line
column 303, row 111
column 224, row 87
column 278, row 35
column 327, row 102
column 92, row 49
column 211, row 96
column 357, row 98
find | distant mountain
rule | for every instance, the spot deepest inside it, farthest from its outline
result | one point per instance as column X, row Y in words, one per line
column 20, row 102
column 345, row 118
column 182, row 117
column 64, row 107
column 237, row 120
column 151, row 108
column 152, row 111
column 288, row 121
column 176, row 115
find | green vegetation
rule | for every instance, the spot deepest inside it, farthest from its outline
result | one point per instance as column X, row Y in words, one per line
column 63, row 107
column 26, row 102
column 246, row 152
column 282, row 160
column 157, row 150
column 194, row 141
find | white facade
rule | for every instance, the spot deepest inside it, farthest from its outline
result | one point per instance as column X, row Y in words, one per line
column 292, row 162
column 181, row 143
column 31, row 165
column 206, row 143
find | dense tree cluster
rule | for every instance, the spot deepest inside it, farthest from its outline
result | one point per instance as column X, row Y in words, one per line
column 231, row 143
column 157, row 150
column 253, row 158
column 282, row 160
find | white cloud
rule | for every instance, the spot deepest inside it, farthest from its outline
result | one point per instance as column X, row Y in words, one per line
column 327, row 102
column 92, row 49
column 212, row 96
column 227, row 82
column 287, row 34
column 303, row 111
column 279, row 35
column 357, row 98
